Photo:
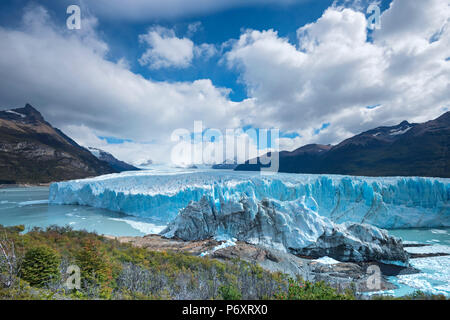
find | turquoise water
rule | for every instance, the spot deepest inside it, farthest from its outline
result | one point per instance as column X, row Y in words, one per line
column 435, row 272
column 29, row 206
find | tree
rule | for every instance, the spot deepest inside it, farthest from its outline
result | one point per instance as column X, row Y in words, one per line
column 93, row 263
column 230, row 292
column 40, row 266
column 9, row 262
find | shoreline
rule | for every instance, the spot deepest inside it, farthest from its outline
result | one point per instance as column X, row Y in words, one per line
column 24, row 185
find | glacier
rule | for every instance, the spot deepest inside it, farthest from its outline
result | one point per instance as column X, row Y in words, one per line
column 307, row 215
column 288, row 227
column 390, row 203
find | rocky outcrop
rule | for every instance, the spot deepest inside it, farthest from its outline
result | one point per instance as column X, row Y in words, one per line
column 292, row 226
column 341, row 275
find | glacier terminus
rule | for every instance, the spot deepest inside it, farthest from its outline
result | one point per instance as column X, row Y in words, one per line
column 310, row 215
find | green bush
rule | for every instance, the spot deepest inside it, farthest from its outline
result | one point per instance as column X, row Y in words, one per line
column 305, row 290
column 93, row 263
column 40, row 266
column 230, row 292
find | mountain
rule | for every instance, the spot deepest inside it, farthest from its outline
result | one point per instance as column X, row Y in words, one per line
column 114, row 163
column 32, row 151
column 407, row 149
column 146, row 163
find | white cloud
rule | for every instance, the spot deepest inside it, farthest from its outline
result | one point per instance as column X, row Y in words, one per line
column 67, row 77
column 193, row 28
column 329, row 76
column 205, row 51
column 166, row 49
column 334, row 71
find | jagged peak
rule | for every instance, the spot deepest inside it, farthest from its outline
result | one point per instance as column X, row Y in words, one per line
column 29, row 110
column 27, row 114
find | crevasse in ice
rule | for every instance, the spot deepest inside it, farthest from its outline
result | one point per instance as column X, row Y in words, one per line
column 395, row 202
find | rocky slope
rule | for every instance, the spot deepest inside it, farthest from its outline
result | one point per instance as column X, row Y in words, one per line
column 407, row 149
column 119, row 166
column 341, row 275
column 32, row 151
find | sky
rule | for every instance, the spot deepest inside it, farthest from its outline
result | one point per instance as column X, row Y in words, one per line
column 138, row 70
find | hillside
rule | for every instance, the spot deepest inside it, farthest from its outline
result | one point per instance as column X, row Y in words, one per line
column 32, row 151
column 113, row 162
column 407, row 149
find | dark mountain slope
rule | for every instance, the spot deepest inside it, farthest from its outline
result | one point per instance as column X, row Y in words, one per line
column 32, row 151
column 402, row 150
column 113, row 162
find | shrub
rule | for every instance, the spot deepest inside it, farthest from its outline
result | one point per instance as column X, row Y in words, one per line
column 305, row 290
column 230, row 292
column 93, row 263
column 40, row 266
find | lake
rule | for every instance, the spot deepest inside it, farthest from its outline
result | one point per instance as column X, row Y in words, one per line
column 29, row 207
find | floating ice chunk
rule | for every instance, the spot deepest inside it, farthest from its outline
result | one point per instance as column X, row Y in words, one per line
column 327, row 260
column 144, row 227
column 29, row 203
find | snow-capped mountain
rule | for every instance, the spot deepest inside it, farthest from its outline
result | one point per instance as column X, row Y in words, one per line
column 33, row 151
column 117, row 165
column 407, row 149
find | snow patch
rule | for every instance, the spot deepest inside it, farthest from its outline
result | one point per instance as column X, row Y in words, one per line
column 16, row 113
column 396, row 132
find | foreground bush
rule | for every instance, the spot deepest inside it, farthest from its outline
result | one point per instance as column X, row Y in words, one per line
column 111, row 270
column 40, row 266
column 305, row 290
column 229, row 292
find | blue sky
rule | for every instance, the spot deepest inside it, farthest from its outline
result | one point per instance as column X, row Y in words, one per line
column 216, row 28
column 138, row 69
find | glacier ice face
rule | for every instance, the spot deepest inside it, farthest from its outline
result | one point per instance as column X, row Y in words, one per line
column 290, row 227
column 396, row 202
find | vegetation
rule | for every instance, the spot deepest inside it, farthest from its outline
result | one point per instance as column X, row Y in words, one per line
column 111, row 270
column 39, row 265
column 305, row 290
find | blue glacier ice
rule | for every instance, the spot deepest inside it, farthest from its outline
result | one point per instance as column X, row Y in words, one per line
column 394, row 202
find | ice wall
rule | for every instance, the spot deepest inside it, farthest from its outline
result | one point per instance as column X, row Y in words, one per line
column 383, row 202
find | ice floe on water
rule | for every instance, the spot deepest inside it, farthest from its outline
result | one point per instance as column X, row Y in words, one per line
column 327, row 260
column 33, row 202
column 436, row 248
column 144, row 227
column 434, row 277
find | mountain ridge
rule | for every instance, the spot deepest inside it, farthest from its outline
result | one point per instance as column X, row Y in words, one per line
column 115, row 163
column 33, row 151
column 406, row 149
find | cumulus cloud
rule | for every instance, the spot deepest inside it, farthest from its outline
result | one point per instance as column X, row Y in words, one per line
column 334, row 72
column 67, row 77
column 167, row 50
